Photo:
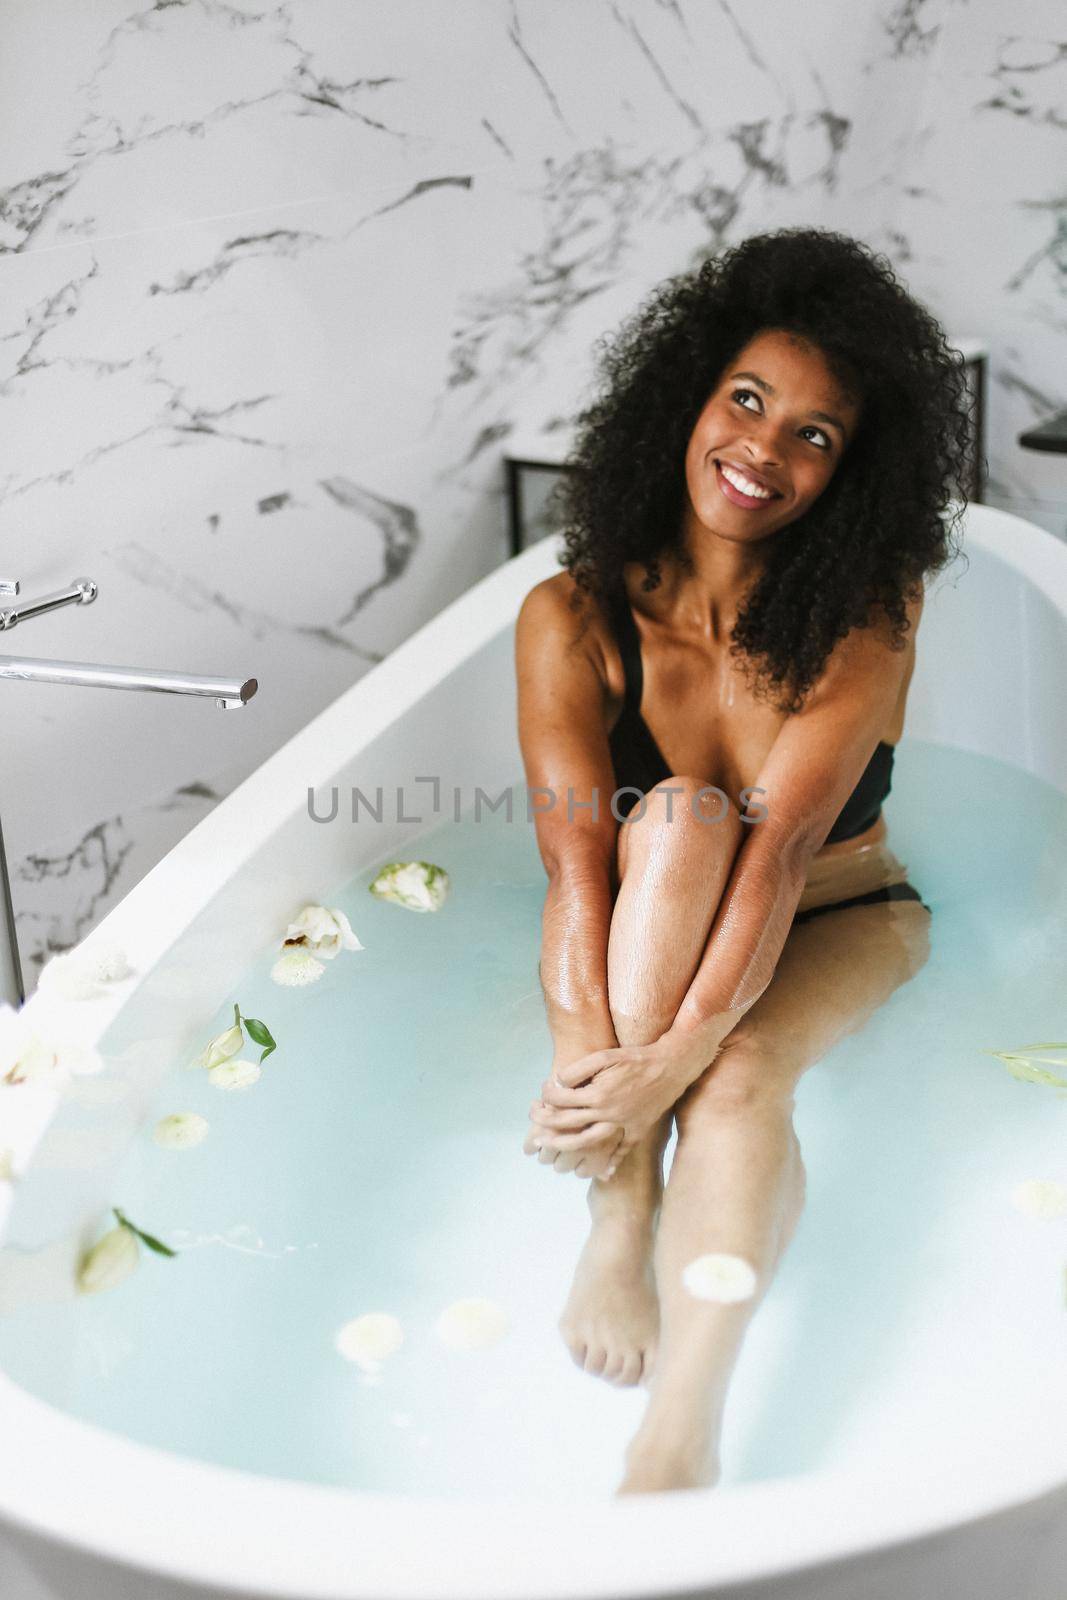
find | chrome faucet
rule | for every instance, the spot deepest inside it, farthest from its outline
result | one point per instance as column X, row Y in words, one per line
column 228, row 694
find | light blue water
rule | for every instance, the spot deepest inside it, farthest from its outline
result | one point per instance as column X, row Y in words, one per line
column 378, row 1166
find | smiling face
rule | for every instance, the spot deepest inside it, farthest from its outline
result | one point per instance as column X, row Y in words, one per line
column 768, row 441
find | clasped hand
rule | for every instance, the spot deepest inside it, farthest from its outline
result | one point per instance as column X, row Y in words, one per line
column 607, row 1101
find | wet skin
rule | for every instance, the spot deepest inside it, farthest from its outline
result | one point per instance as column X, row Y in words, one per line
column 780, row 421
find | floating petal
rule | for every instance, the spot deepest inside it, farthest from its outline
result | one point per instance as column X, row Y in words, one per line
column 322, row 932
column 86, row 972
column 234, row 1074
column 367, row 1340
column 418, row 885
column 181, row 1130
column 222, row 1047
column 472, row 1324
column 719, row 1276
column 296, row 968
column 109, row 1262
column 1040, row 1197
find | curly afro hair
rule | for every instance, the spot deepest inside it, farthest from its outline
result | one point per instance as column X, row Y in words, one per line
column 877, row 528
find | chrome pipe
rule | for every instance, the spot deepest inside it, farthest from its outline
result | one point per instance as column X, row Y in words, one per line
column 228, row 693
column 12, row 988
column 9, row 586
column 80, row 590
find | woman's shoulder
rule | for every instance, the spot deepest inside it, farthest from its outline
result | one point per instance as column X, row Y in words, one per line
column 559, row 615
column 560, row 603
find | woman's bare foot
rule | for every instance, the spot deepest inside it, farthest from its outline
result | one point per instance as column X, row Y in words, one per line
column 611, row 1320
column 680, row 1464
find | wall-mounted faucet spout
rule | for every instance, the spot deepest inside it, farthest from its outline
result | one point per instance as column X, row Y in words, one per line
column 80, row 590
column 232, row 691
column 229, row 694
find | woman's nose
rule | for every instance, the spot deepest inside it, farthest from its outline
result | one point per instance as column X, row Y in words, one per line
column 765, row 448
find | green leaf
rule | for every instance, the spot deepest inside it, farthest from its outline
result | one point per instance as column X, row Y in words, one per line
column 155, row 1244
column 261, row 1034
column 236, row 1015
column 1028, row 1071
column 146, row 1238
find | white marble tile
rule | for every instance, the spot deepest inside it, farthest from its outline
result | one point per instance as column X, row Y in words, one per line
column 280, row 284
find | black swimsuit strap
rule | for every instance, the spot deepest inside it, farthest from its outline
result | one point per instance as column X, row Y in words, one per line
column 629, row 642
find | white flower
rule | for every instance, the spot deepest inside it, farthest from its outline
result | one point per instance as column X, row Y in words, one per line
column 110, row 1261
column 296, row 968
column 181, row 1130
column 418, row 885
column 321, row 931
column 718, row 1276
column 7, row 1165
column 1040, row 1197
column 472, row 1324
column 49, row 1054
column 234, row 1074
column 222, row 1047
column 85, row 972
column 367, row 1340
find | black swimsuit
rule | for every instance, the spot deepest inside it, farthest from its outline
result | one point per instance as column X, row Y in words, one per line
column 640, row 764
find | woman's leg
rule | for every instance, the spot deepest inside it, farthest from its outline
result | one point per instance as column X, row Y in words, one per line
column 737, row 1179
column 673, row 868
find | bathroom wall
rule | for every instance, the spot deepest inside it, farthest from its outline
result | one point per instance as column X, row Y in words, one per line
column 280, row 281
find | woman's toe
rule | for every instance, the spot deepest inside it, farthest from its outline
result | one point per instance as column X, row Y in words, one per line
column 631, row 1369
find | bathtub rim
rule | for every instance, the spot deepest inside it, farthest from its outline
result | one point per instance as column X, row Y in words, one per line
column 219, row 1512
column 250, row 1534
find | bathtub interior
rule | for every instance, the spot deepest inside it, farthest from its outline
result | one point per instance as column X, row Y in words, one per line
column 976, row 1258
column 992, row 646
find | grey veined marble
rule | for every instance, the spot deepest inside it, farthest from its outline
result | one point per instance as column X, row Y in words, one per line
column 279, row 283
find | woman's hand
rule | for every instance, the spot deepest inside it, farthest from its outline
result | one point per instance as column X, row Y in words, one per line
column 630, row 1086
column 584, row 1145
column 594, row 1153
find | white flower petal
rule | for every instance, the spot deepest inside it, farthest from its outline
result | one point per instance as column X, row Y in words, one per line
column 1041, row 1197
column 37, row 1062
column 222, row 1047
column 348, row 938
column 86, row 972
column 322, row 932
column 49, row 1051
column 181, row 1130
column 66, row 977
column 472, row 1324
column 296, row 968
column 234, row 1074
column 367, row 1340
column 311, row 924
column 719, row 1276
column 110, row 1261
column 417, row 885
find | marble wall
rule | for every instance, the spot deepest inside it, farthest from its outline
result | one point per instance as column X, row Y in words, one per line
column 280, row 281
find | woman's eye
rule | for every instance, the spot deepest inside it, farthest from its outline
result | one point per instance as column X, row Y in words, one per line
column 749, row 392
column 823, row 436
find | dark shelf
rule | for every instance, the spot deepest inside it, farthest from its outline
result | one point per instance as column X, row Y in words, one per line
column 1050, row 436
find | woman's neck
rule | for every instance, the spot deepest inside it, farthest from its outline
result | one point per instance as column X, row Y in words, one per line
column 703, row 601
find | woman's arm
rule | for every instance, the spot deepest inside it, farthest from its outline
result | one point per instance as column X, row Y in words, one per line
column 569, row 772
column 813, row 766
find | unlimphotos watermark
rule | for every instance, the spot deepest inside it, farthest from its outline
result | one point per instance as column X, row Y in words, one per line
column 538, row 799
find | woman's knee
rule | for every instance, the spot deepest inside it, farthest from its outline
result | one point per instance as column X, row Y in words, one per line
column 744, row 1081
column 643, row 1024
column 689, row 808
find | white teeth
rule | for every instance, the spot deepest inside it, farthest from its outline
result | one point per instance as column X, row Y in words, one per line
column 739, row 482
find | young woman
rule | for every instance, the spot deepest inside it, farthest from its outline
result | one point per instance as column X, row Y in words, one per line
column 712, row 690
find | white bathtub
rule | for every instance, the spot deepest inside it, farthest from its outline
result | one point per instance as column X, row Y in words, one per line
column 89, row 1515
